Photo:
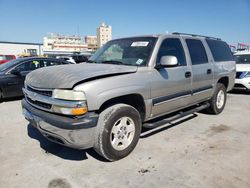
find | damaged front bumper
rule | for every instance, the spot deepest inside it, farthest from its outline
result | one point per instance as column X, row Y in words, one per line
column 72, row 132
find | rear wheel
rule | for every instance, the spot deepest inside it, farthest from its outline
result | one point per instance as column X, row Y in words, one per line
column 119, row 128
column 218, row 101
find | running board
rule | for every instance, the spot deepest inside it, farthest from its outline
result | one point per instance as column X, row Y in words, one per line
column 154, row 124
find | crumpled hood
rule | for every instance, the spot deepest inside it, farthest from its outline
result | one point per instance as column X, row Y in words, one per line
column 242, row 67
column 66, row 76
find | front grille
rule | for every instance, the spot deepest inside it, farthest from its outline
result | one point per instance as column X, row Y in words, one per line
column 238, row 74
column 41, row 92
column 38, row 103
column 239, row 86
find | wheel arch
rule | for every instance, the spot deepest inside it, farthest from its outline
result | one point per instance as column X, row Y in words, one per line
column 225, row 81
column 135, row 100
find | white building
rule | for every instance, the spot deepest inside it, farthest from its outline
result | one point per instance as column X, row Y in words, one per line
column 20, row 48
column 104, row 34
column 56, row 44
column 91, row 41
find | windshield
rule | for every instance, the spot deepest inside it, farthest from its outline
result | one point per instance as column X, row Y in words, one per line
column 242, row 59
column 9, row 64
column 130, row 51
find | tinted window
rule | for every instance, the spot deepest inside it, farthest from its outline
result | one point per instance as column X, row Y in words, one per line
column 29, row 66
column 197, row 51
column 220, row 50
column 172, row 47
column 242, row 59
column 47, row 63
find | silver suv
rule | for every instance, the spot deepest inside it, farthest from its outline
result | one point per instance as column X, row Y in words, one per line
column 127, row 84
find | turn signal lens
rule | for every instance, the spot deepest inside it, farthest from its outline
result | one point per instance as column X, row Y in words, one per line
column 70, row 111
column 79, row 111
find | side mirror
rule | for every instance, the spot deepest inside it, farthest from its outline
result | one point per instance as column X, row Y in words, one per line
column 168, row 61
column 15, row 72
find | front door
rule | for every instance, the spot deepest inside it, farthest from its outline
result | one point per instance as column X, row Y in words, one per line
column 15, row 82
column 170, row 86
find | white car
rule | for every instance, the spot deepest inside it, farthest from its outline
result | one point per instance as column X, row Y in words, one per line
column 242, row 80
column 67, row 58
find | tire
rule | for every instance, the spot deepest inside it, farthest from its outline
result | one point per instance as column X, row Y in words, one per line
column 218, row 101
column 118, row 131
column 1, row 96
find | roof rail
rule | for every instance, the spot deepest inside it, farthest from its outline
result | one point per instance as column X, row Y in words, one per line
column 194, row 35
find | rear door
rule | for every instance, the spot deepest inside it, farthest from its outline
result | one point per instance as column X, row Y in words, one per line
column 202, row 70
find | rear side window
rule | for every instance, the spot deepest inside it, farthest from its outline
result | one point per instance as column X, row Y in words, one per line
column 197, row 51
column 48, row 63
column 220, row 50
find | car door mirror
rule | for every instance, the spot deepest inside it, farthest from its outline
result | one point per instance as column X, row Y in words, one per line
column 168, row 61
column 15, row 72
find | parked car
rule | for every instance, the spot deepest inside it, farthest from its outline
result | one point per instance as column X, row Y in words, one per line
column 6, row 58
column 13, row 73
column 75, row 58
column 242, row 80
column 128, row 83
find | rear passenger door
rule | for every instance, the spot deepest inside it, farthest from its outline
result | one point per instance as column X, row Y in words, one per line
column 202, row 70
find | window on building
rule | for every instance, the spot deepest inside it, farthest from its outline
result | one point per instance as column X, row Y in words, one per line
column 197, row 51
column 32, row 51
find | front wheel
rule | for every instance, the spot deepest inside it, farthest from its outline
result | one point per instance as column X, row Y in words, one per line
column 118, row 131
column 218, row 101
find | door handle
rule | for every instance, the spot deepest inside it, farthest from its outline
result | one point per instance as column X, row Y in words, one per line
column 188, row 74
column 209, row 71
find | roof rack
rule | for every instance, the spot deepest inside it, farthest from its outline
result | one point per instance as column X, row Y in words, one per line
column 194, row 35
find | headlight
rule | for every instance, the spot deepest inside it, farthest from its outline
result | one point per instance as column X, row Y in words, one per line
column 69, row 95
column 247, row 75
column 70, row 111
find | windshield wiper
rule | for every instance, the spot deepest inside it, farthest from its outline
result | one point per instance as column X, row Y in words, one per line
column 113, row 62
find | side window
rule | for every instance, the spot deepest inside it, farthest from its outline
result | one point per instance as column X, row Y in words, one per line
column 197, row 51
column 47, row 63
column 29, row 66
column 220, row 50
column 172, row 47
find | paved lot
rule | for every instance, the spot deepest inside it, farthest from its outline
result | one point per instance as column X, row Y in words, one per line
column 203, row 151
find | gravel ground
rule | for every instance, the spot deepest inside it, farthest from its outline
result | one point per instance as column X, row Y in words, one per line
column 199, row 151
